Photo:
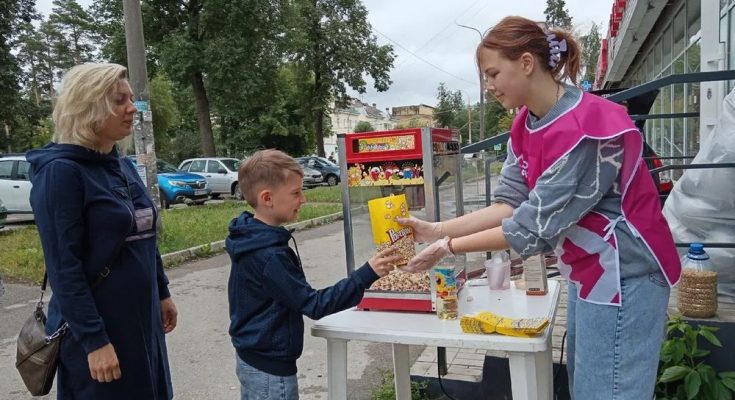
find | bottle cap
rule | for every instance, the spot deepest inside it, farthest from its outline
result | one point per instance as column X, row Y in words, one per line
column 696, row 248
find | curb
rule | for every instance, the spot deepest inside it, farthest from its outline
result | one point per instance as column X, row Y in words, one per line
column 209, row 249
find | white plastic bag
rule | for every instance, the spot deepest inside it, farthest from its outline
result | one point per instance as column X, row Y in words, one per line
column 701, row 207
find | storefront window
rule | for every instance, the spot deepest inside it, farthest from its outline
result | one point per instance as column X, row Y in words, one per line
column 657, row 58
column 666, row 40
column 693, row 19
column 665, row 138
column 693, row 58
column 679, row 32
column 692, row 138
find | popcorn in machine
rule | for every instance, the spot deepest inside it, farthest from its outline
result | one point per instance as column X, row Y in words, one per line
column 424, row 165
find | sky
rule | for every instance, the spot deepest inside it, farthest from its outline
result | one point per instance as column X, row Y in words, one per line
column 430, row 48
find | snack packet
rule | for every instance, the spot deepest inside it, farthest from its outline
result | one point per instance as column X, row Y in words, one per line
column 386, row 231
column 487, row 322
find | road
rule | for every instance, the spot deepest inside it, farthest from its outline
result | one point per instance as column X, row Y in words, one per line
column 200, row 352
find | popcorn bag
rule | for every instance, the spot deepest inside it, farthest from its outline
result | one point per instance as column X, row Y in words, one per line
column 386, row 231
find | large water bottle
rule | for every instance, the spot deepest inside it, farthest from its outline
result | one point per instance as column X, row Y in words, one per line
column 698, row 286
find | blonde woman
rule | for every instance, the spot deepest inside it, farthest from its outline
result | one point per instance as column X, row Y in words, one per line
column 97, row 228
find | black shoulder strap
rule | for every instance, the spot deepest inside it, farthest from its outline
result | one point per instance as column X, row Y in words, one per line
column 102, row 275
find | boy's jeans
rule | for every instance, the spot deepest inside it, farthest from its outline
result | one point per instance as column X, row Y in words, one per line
column 258, row 385
column 614, row 351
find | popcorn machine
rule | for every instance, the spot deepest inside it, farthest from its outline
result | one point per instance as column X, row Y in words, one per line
column 424, row 165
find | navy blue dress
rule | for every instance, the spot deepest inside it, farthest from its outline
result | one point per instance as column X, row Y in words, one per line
column 86, row 204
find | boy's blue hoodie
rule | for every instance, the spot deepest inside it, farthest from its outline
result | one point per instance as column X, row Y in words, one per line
column 268, row 295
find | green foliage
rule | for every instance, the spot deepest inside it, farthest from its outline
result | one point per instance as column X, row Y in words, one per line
column 22, row 257
column 77, row 28
column 387, row 389
column 109, row 30
column 324, row 194
column 166, row 116
column 364, row 126
column 682, row 374
column 557, row 14
column 332, row 42
column 449, row 107
column 590, row 52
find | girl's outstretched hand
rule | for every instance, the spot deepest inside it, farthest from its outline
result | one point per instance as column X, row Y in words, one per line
column 423, row 232
column 429, row 256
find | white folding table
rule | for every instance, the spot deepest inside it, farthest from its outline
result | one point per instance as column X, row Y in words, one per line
column 529, row 358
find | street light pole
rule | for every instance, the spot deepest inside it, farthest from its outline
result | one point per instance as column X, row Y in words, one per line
column 145, row 149
column 469, row 117
column 482, row 88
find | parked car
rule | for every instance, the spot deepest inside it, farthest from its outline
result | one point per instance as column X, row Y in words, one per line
column 15, row 183
column 176, row 186
column 3, row 215
column 220, row 173
column 329, row 170
column 312, row 177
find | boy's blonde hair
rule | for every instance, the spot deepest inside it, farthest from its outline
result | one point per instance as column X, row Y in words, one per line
column 85, row 101
column 265, row 169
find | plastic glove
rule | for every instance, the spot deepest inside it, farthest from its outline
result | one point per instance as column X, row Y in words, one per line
column 423, row 232
column 429, row 256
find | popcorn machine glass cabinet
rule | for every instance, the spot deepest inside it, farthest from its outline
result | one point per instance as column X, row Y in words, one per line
column 422, row 164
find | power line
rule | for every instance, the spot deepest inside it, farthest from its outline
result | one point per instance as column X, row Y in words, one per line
column 423, row 59
column 449, row 25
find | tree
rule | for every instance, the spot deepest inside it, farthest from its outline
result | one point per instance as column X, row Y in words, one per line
column 364, row 126
column 557, row 14
column 76, row 26
column 333, row 43
column 13, row 114
column 590, row 52
column 449, row 107
column 165, row 114
column 224, row 51
column 109, row 29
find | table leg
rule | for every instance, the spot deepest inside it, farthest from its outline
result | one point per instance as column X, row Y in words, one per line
column 337, row 369
column 402, row 371
column 531, row 375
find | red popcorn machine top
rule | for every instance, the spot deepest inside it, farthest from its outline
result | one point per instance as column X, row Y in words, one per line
column 424, row 165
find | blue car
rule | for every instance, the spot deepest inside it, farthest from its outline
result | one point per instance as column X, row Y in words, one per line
column 179, row 187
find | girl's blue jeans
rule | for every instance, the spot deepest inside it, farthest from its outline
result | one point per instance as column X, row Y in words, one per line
column 614, row 351
column 258, row 385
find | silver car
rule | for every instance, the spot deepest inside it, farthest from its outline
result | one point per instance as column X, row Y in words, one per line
column 220, row 173
column 15, row 183
column 312, row 177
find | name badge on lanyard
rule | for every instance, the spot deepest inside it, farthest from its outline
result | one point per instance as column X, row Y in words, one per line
column 144, row 219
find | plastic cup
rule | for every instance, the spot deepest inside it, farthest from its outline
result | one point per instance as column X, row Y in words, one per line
column 498, row 275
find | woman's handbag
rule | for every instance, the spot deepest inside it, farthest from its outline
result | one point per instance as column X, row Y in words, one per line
column 38, row 353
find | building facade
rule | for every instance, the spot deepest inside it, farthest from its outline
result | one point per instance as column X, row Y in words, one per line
column 423, row 114
column 650, row 39
column 345, row 119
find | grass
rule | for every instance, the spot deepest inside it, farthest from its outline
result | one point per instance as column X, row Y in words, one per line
column 21, row 257
column 387, row 389
column 324, row 194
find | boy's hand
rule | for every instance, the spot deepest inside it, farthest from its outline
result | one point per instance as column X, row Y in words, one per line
column 423, row 232
column 384, row 261
column 429, row 256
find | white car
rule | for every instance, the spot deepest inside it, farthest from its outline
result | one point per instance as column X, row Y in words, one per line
column 15, row 183
column 220, row 173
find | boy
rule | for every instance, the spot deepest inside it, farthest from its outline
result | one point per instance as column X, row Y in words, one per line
column 268, row 292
